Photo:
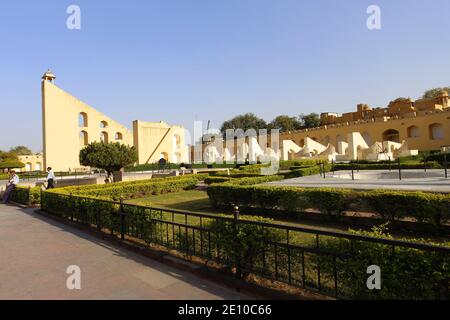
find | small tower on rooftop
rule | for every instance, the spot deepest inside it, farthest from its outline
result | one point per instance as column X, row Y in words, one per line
column 49, row 76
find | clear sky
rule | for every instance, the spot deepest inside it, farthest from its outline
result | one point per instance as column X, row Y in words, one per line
column 181, row 60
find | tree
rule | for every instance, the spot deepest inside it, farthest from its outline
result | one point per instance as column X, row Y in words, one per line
column 244, row 122
column 110, row 157
column 21, row 151
column 8, row 156
column 285, row 123
column 434, row 92
column 11, row 164
column 311, row 120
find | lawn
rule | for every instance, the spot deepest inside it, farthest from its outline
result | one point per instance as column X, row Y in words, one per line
column 190, row 200
column 198, row 201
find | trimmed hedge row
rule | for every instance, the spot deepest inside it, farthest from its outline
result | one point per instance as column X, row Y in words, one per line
column 124, row 185
column 132, row 190
column 407, row 274
column 26, row 195
column 243, row 181
column 386, row 166
column 391, row 205
column 305, row 171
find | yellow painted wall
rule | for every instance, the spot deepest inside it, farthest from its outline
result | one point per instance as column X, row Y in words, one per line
column 155, row 140
column 61, row 130
column 33, row 162
column 375, row 129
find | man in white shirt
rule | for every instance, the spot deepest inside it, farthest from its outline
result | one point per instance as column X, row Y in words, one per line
column 12, row 183
column 50, row 178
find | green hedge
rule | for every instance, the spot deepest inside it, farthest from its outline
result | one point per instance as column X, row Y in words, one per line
column 385, row 166
column 243, row 181
column 392, row 205
column 299, row 171
column 26, row 195
column 135, row 189
column 406, row 273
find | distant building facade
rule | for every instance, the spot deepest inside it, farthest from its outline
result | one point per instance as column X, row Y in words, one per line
column 69, row 125
column 424, row 124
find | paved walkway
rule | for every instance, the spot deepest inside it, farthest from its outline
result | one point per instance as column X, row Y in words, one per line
column 35, row 253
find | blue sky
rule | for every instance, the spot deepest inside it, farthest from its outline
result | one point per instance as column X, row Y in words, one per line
column 181, row 60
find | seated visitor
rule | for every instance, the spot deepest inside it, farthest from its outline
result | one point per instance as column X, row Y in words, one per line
column 12, row 183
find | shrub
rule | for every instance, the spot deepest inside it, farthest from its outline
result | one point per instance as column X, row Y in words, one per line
column 385, row 166
column 134, row 189
column 406, row 273
column 243, row 243
column 243, row 181
column 287, row 164
column 299, row 171
column 26, row 195
column 392, row 205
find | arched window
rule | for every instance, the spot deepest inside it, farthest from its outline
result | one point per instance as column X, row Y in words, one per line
column 84, row 138
column 82, row 120
column 413, row 132
column 104, row 137
column 119, row 136
column 38, row 166
column 436, row 131
column 103, row 124
column 28, row 166
column 391, row 135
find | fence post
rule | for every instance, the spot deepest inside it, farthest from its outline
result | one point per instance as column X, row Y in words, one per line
column 332, row 165
column 72, row 212
column 237, row 245
column 399, row 169
column 122, row 220
column 425, row 165
column 323, row 169
column 445, row 166
column 353, row 171
column 390, row 164
column 29, row 196
column 40, row 199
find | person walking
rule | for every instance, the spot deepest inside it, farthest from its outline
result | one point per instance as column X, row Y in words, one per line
column 10, row 186
column 50, row 178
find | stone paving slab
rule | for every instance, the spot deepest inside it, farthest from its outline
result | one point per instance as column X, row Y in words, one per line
column 35, row 252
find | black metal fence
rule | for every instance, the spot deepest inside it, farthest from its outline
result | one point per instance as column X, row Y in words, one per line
column 298, row 256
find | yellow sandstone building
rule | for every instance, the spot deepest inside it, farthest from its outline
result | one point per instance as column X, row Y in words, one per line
column 424, row 124
column 69, row 124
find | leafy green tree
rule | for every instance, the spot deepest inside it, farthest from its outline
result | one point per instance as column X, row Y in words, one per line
column 8, row 156
column 245, row 122
column 311, row 120
column 434, row 92
column 21, row 151
column 8, row 165
column 110, row 157
column 285, row 123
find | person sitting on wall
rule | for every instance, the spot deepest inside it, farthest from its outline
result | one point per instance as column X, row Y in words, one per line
column 10, row 186
column 50, row 179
